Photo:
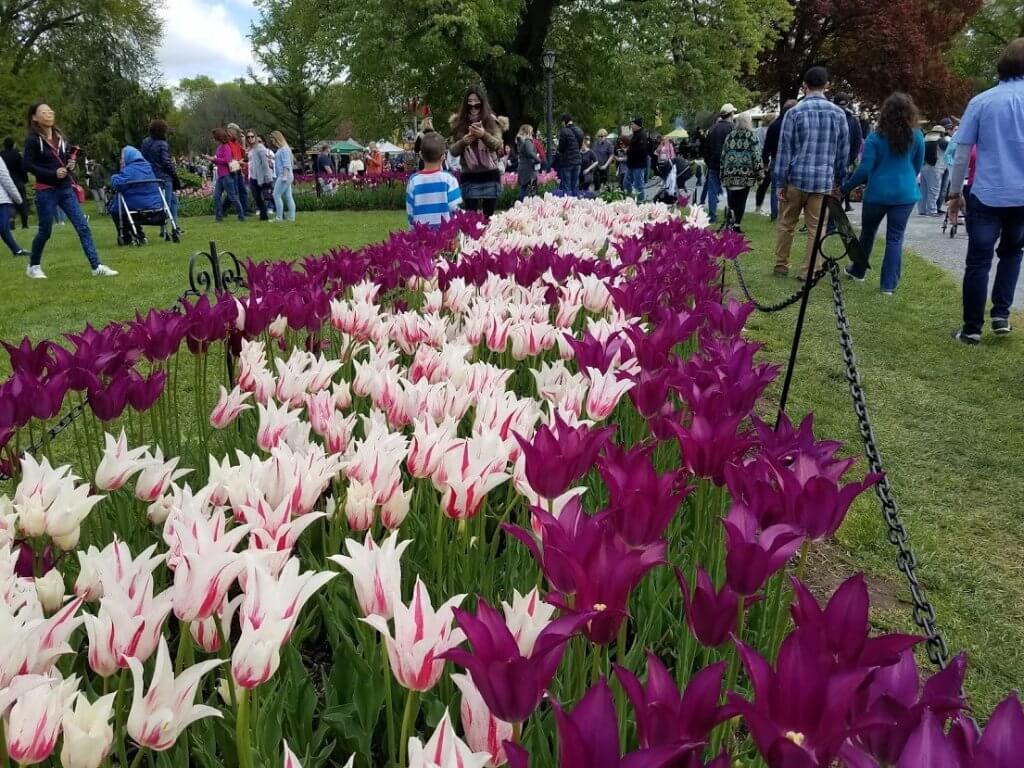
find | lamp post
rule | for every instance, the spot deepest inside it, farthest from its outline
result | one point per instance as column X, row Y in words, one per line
column 548, row 60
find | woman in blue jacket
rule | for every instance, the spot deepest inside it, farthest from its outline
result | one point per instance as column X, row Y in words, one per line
column 893, row 156
column 139, row 197
column 158, row 154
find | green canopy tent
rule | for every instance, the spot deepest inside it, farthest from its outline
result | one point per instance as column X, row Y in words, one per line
column 346, row 147
column 678, row 133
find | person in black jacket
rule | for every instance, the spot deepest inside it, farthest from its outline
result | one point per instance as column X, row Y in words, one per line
column 768, row 152
column 12, row 159
column 52, row 161
column 713, row 156
column 845, row 101
column 158, row 154
column 636, row 159
column 570, row 139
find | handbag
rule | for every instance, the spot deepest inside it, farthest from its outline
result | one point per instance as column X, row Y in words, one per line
column 79, row 192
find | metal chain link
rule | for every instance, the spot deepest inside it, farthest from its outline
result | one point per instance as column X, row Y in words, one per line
column 906, row 561
column 779, row 305
column 52, row 432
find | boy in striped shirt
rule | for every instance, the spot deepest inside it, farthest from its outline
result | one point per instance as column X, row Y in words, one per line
column 432, row 195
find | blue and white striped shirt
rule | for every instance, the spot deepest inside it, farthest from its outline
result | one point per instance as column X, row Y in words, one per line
column 814, row 147
column 431, row 197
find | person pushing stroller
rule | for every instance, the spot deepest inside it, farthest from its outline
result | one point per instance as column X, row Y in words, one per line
column 132, row 192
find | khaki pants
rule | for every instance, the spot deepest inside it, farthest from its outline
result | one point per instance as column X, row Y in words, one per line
column 789, row 214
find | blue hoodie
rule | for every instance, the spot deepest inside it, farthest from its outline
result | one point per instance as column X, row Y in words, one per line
column 140, row 197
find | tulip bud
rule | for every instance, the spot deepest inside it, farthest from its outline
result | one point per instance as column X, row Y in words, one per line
column 331, row 507
column 278, row 327
column 290, row 760
column 158, row 511
column 395, row 509
column 88, row 733
column 32, row 517
column 50, row 589
column 359, row 506
column 69, row 540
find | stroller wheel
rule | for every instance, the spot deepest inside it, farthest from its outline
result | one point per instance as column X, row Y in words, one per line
column 174, row 237
column 952, row 231
column 120, row 241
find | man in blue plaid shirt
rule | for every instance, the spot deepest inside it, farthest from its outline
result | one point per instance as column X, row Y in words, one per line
column 814, row 149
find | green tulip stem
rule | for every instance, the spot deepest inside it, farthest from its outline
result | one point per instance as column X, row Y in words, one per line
column 408, row 719
column 242, row 731
column 389, row 707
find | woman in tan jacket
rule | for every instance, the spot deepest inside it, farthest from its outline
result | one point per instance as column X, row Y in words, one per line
column 476, row 142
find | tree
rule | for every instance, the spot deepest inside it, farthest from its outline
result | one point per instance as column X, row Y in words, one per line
column 302, row 65
column 982, row 42
column 215, row 107
column 871, row 47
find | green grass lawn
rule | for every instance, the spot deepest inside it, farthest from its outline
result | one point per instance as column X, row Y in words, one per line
column 155, row 275
column 948, row 420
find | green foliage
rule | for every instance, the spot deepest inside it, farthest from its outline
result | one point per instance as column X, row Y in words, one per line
column 189, row 180
column 207, row 106
column 990, row 31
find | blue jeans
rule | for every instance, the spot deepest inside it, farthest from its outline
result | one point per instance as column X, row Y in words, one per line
column 48, row 202
column 172, row 199
column 571, row 180
column 243, row 190
column 714, row 190
column 930, row 180
column 226, row 184
column 896, row 217
column 282, row 196
column 7, row 212
column 986, row 225
column 636, row 178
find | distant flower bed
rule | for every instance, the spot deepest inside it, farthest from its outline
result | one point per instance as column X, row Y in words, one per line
column 385, row 191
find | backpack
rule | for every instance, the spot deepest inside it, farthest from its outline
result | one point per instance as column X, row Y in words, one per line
column 540, row 149
column 931, row 152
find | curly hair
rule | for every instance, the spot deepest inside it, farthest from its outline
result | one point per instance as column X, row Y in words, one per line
column 897, row 120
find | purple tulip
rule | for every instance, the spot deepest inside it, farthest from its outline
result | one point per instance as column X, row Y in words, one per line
column 557, row 457
column 802, row 711
column 144, row 392
column 654, row 349
column 588, row 737
column 724, row 377
column 1002, row 743
column 843, row 627
column 603, row 580
column 710, row 615
column 727, row 320
column 753, row 555
column 158, row 334
column 785, row 443
column 663, row 717
column 511, row 684
column 32, row 360
column 589, row 352
column 893, row 695
column 108, row 403
column 710, row 443
column 641, row 503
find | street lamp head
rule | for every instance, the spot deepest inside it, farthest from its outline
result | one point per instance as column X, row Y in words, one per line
column 548, row 59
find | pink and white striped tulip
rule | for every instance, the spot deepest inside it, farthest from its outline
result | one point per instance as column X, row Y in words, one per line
column 472, row 472
column 526, row 618
column 376, row 573
column 606, row 389
column 430, row 441
column 157, row 476
column 274, row 424
column 445, row 750
column 421, row 635
column 119, row 463
column 34, row 722
column 206, row 566
column 159, row 715
column 360, row 506
column 229, row 406
column 88, row 734
column 125, row 627
column 484, row 732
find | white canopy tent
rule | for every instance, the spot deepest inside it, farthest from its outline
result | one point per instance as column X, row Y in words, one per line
column 387, row 148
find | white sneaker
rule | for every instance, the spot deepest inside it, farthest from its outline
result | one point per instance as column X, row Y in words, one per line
column 103, row 271
column 35, row 272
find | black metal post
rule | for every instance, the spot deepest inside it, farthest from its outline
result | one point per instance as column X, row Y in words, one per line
column 550, row 116
column 808, row 284
column 218, row 281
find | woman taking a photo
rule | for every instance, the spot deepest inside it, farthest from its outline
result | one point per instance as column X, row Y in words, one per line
column 284, row 169
column 528, row 159
column 477, row 141
column 51, row 160
column 224, row 162
column 741, row 167
column 892, row 159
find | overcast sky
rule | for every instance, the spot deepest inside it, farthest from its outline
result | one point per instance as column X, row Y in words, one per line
column 206, row 37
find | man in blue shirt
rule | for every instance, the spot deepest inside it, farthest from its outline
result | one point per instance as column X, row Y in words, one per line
column 814, row 151
column 994, row 123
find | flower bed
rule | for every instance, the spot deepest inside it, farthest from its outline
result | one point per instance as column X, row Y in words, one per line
column 384, row 191
column 467, row 489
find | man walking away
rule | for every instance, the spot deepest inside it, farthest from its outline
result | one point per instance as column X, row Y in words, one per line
column 713, row 156
column 636, row 159
column 994, row 124
column 769, row 151
column 845, row 102
column 814, row 149
column 324, row 166
column 570, row 139
column 12, row 159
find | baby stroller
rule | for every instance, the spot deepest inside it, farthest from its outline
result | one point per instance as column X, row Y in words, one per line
column 669, row 181
column 129, row 222
column 951, row 225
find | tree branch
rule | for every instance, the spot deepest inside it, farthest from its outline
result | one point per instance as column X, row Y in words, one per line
column 33, row 37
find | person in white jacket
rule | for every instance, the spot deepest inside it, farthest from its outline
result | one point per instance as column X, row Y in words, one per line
column 9, row 200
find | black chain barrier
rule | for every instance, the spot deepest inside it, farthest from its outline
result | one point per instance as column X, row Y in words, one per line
column 217, row 278
column 906, row 560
